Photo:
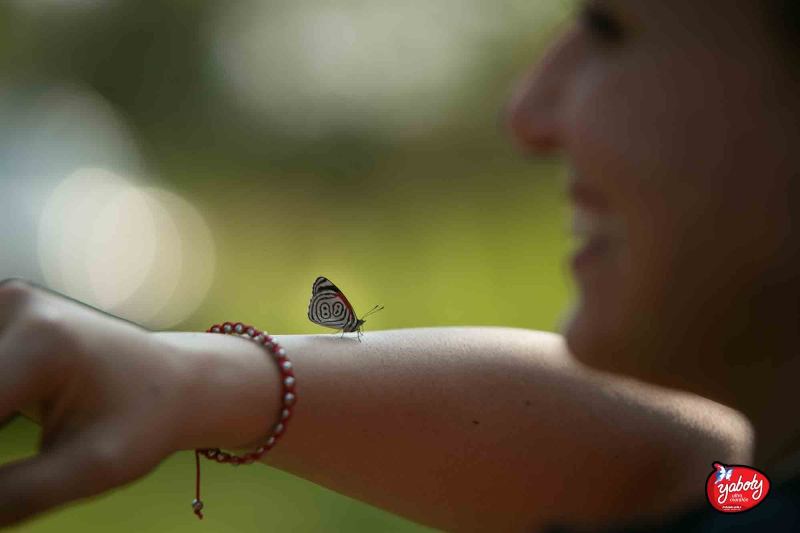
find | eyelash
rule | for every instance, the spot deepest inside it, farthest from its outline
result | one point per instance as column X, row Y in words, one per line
column 601, row 25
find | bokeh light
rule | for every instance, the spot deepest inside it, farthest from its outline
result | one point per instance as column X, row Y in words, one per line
column 395, row 69
column 184, row 266
column 49, row 129
column 143, row 254
column 96, row 238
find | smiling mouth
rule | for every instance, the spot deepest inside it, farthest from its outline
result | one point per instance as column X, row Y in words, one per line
column 589, row 253
column 595, row 228
column 593, row 224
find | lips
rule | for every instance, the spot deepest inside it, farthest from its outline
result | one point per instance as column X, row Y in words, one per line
column 593, row 224
column 590, row 224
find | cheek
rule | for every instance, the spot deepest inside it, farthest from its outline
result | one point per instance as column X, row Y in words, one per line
column 626, row 146
column 642, row 155
column 686, row 176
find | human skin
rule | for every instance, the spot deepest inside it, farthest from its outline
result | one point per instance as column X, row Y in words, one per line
column 677, row 121
column 464, row 429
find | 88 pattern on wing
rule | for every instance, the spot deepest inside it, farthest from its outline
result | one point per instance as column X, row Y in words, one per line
column 330, row 308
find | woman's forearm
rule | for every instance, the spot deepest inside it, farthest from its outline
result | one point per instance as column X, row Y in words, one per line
column 462, row 428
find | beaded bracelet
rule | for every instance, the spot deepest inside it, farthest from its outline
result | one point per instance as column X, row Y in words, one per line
column 288, row 395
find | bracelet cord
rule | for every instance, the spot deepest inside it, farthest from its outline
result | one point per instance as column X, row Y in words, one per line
column 288, row 400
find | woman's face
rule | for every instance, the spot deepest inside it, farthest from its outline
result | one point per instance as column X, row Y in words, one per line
column 677, row 123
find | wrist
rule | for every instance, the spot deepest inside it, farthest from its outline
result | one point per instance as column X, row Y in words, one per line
column 233, row 392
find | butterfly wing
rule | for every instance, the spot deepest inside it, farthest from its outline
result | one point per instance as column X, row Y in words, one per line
column 329, row 307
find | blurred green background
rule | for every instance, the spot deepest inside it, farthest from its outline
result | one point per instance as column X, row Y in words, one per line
column 180, row 163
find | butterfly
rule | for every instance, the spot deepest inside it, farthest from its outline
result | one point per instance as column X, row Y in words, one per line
column 723, row 473
column 329, row 307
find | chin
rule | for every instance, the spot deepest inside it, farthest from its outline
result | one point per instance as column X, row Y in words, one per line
column 607, row 343
column 596, row 341
column 580, row 341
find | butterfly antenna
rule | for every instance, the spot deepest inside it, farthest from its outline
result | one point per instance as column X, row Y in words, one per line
column 371, row 311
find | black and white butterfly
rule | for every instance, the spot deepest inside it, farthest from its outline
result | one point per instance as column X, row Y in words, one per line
column 329, row 307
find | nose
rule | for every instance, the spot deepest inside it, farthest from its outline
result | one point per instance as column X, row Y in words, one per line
column 534, row 114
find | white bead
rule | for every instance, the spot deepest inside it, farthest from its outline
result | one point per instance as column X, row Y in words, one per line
column 260, row 450
column 251, row 331
column 281, row 352
column 271, row 441
column 259, row 338
column 288, row 399
column 285, row 414
column 288, row 381
column 215, row 329
column 239, row 328
column 226, row 328
column 278, row 429
column 287, row 365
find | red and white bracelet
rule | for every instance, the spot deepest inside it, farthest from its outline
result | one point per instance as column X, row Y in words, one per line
column 288, row 400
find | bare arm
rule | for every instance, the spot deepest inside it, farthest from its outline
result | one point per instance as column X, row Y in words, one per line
column 484, row 429
column 464, row 429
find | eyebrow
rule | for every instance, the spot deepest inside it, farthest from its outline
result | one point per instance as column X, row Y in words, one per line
column 624, row 12
column 590, row 4
column 592, row 8
column 614, row 6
